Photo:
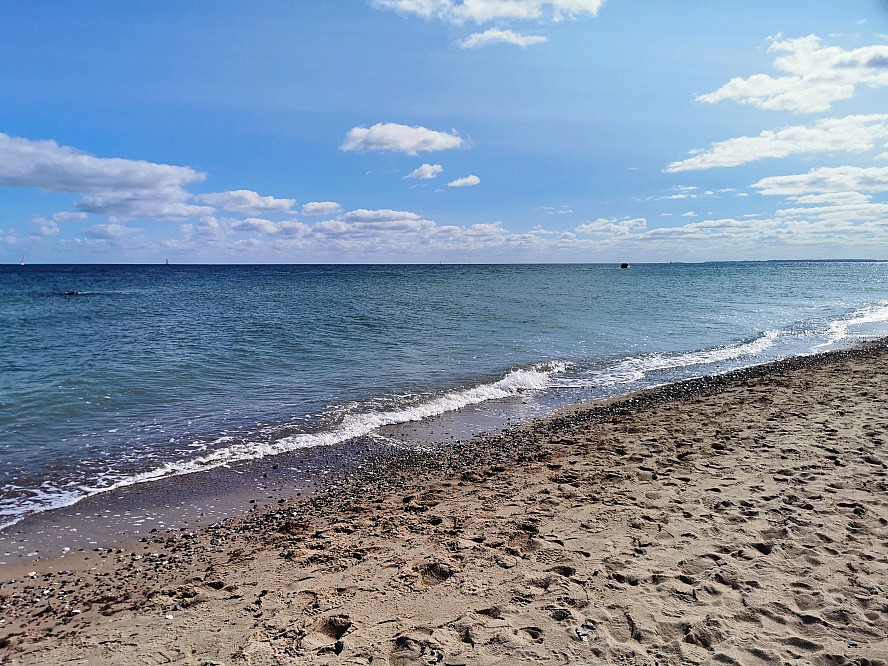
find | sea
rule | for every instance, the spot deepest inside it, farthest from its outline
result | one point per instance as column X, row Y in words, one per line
column 116, row 377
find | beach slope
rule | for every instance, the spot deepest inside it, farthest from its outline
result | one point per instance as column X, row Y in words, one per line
column 741, row 519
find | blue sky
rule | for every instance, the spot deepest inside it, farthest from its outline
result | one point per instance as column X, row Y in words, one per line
column 442, row 130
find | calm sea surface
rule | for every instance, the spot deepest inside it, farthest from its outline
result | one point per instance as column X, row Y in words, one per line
column 115, row 375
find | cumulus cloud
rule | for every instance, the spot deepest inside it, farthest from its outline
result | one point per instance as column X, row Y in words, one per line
column 854, row 134
column 377, row 228
column 363, row 215
column 126, row 205
column 816, row 77
column 49, row 226
column 246, row 202
column 465, row 181
column 390, row 235
column 315, row 208
column 399, row 138
column 844, row 215
column 825, row 180
column 382, row 220
column 604, row 226
column 115, row 186
column 46, row 226
column 495, row 36
column 293, row 228
column 483, row 11
column 835, row 194
column 269, row 228
column 55, row 168
column 487, row 229
column 425, row 171
column 255, row 224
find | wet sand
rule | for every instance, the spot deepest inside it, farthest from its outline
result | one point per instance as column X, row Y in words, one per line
column 741, row 519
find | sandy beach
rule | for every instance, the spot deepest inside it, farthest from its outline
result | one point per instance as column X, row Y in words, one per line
column 741, row 519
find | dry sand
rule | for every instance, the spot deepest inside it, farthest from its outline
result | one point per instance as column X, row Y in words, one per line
column 736, row 520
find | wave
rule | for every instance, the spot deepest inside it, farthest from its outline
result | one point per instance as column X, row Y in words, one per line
column 840, row 329
column 636, row 368
column 351, row 426
column 363, row 419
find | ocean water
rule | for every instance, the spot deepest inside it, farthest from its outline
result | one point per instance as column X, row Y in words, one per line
column 112, row 376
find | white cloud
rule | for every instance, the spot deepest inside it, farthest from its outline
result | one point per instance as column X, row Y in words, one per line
column 487, row 229
column 399, row 138
column 314, row 208
column 115, row 186
column 125, row 205
column 818, row 76
column 690, row 213
column 495, row 36
column 331, row 227
column 854, row 134
column 465, row 181
column 825, row 180
column 363, row 221
column 255, row 224
column 362, row 215
column 842, row 198
column 208, row 232
column 293, row 228
column 604, row 226
column 109, row 231
column 50, row 226
column 49, row 166
column 246, row 202
column 482, row 11
column 564, row 209
column 265, row 227
column 425, row 171
column 387, row 235
column 46, row 226
column 66, row 216
column 845, row 215
column 831, row 194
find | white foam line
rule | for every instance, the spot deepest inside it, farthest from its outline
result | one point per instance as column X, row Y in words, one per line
column 839, row 329
column 636, row 368
column 352, row 426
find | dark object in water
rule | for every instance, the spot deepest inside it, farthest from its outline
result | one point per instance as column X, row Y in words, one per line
column 624, row 265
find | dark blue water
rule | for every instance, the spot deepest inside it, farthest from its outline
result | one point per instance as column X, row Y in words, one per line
column 149, row 371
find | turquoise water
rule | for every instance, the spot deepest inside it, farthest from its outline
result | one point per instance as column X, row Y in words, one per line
column 150, row 371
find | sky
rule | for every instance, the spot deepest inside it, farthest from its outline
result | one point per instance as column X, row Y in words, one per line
column 429, row 131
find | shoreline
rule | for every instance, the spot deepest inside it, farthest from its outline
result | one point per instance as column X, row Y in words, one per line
column 707, row 519
column 197, row 499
